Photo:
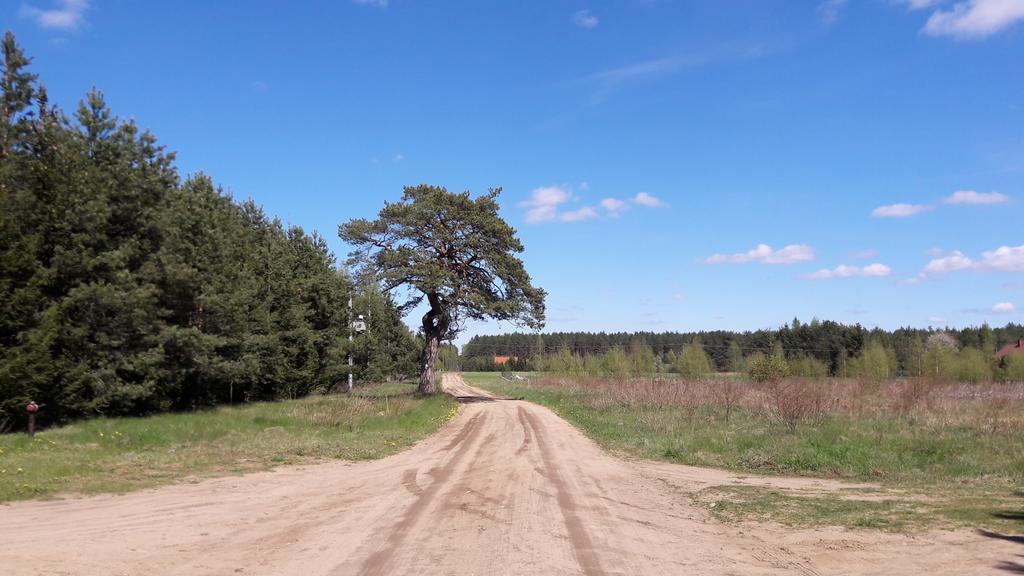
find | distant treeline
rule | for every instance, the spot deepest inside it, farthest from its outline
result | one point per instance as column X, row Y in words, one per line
column 126, row 290
column 816, row 348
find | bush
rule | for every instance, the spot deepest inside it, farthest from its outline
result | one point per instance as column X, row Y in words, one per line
column 770, row 368
column 875, row 363
column 1013, row 368
column 973, row 366
column 807, row 367
column 693, row 361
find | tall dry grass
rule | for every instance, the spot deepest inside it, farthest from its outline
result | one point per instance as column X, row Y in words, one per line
column 793, row 401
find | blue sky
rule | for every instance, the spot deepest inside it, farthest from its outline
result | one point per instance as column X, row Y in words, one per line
column 669, row 165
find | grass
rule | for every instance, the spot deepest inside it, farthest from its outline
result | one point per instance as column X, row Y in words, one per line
column 945, row 459
column 122, row 454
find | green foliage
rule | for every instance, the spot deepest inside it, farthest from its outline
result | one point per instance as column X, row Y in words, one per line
column 128, row 291
column 767, row 367
column 807, row 367
column 875, row 363
column 1013, row 368
column 693, row 362
column 973, row 365
column 452, row 250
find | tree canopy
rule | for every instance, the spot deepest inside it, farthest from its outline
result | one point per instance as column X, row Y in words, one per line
column 455, row 252
column 128, row 290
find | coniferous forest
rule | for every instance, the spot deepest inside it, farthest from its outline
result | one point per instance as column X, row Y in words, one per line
column 809, row 349
column 128, row 289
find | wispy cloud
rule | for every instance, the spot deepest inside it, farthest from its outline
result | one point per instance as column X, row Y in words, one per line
column 584, row 213
column 765, row 254
column 614, row 206
column 899, row 210
column 920, row 4
column 585, row 19
column 259, row 86
column 843, row 271
column 69, row 16
column 649, row 200
column 973, row 197
column 607, row 81
column 862, row 254
column 828, row 11
column 975, row 19
column 380, row 3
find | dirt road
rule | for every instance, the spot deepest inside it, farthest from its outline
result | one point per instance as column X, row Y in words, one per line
column 506, row 488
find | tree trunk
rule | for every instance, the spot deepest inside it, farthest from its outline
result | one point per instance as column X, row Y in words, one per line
column 429, row 364
column 435, row 326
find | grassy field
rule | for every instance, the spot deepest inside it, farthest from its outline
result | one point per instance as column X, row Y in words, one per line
column 117, row 455
column 941, row 455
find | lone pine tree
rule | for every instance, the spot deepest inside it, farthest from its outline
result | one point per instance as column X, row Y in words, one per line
column 453, row 251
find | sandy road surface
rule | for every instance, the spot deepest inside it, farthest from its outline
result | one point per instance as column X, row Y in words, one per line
column 506, row 488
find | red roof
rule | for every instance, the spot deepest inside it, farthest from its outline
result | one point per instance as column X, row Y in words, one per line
column 1015, row 348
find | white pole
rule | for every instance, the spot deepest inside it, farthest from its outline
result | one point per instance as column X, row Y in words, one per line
column 350, row 343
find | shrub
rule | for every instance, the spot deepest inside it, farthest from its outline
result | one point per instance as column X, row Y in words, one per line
column 807, row 367
column 770, row 368
column 875, row 363
column 693, row 361
column 1013, row 368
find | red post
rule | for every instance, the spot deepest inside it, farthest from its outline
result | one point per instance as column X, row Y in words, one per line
column 32, row 408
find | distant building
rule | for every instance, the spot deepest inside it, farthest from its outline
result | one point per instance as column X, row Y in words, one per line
column 502, row 360
column 1015, row 348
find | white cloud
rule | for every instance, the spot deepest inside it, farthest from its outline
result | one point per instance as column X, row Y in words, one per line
column 259, row 86
column 829, row 10
column 381, row 3
column 584, row 185
column 936, row 320
column 975, row 18
column 973, row 197
column 614, row 206
column 1004, row 259
column 1004, row 308
column 645, row 199
column 678, row 296
column 899, row 210
column 68, row 16
column 765, row 254
column 953, row 262
column 584, row 19
column 398, row 157
column 844, row 271
column 543, row 203
column 584, row 213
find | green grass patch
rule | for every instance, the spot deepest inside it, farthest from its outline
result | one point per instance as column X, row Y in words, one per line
column 967, row 475
column 121, row 454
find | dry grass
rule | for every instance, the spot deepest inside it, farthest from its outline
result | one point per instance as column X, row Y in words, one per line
column 957, row 447
column 997, row 407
